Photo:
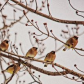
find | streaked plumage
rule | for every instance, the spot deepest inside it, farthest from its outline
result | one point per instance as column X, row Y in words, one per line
column 71, row 42
column 50, row 57
column 32, row 52
column 4, row 45
column 10, row 69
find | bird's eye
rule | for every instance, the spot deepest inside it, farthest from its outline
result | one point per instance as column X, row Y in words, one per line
column 53, row 52
column 6, row 41
column 75, row 37
column 35, row 48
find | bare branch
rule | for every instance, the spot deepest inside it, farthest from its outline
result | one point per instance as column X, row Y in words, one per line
column 2, row 70
column 47, row 16
column 4, row 5
column 67, row 71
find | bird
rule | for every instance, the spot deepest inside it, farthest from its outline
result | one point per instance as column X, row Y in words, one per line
column 50, row 57
column 32, row 52
column 10, row 69
column 71, row 43
column 4, row 45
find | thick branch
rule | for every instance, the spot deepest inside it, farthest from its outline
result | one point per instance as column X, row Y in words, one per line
column 47, row 16
column 33, row 67
column 67, row 71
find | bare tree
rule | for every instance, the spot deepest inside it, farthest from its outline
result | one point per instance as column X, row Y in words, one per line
column 17, row 13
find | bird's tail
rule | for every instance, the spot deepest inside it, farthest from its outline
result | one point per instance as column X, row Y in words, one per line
column 45, row 65
column 65, row 49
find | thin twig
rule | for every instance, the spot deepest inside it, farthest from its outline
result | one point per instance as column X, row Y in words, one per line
column 2, row 70
column 48, row 9
column 74, row 8
column 4, row 5
column 36, row 5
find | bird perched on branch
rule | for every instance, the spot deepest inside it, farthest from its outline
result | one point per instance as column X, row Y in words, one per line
column 50, row 57
column 71, row 42
column 4, row 45
column 32, row 52
column 14, row 68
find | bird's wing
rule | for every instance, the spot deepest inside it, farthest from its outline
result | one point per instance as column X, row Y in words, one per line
column 70, row 43
column 10, row 66
column 48, row 58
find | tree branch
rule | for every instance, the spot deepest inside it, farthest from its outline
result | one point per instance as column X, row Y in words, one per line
column 67, row 71
column 47, row 16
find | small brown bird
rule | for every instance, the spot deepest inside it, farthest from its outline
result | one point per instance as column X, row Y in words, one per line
column 32, row 52
column 4, row 45
column 71, row 42
column 11, row 68
column 50, row 57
